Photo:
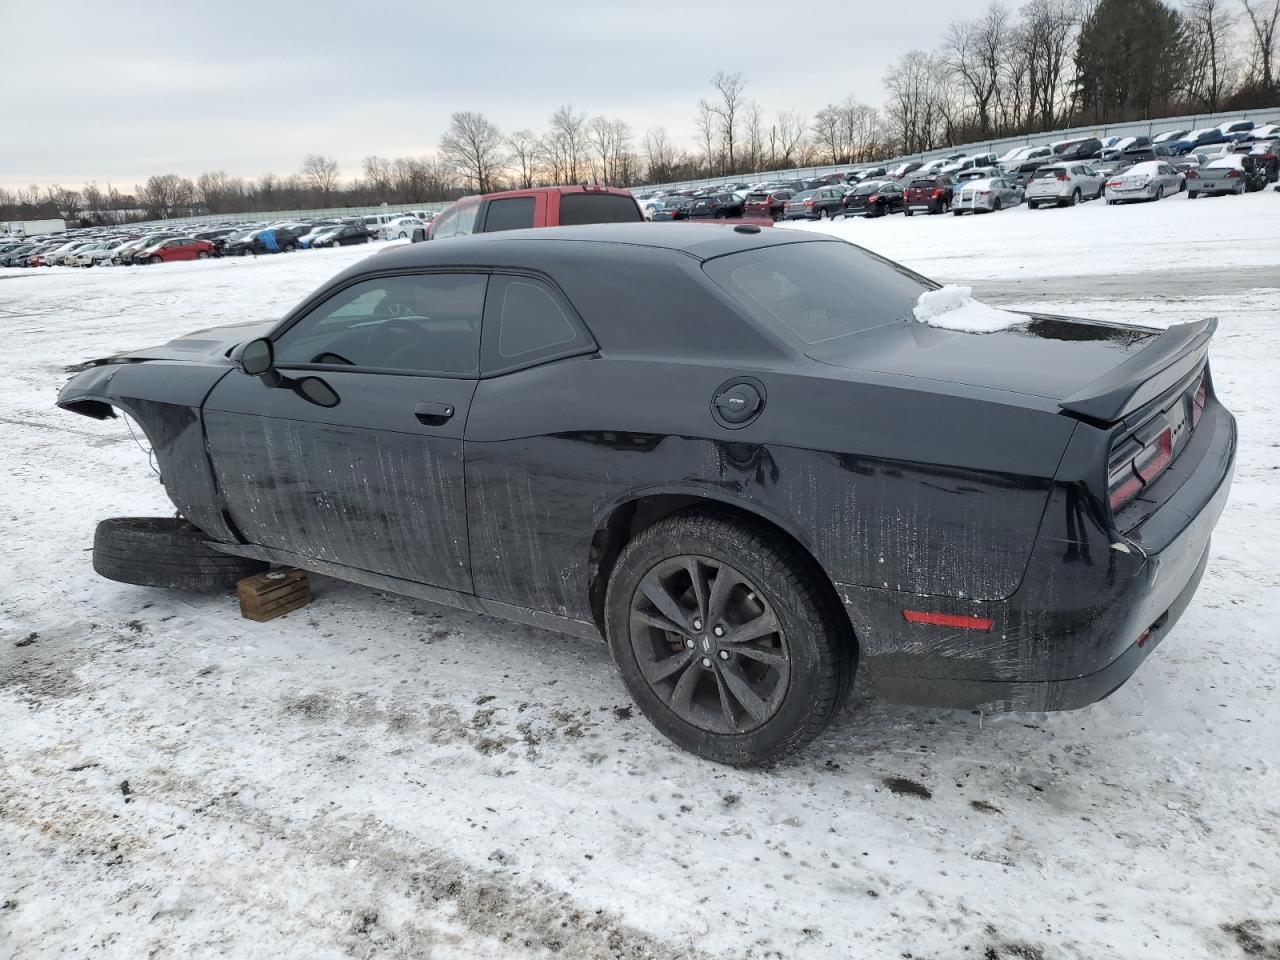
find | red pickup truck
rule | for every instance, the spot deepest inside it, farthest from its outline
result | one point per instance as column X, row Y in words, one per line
column 545, row 207
column 538, row 207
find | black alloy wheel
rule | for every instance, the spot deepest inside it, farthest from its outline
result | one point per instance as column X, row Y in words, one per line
column 709, row 644
column 728, row 637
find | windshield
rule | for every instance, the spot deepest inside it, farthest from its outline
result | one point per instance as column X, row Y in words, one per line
column 814, row 294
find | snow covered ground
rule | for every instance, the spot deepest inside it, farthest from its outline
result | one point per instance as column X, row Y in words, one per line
column 373, row 776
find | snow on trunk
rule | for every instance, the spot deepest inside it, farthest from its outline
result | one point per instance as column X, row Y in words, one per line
column 953, row 308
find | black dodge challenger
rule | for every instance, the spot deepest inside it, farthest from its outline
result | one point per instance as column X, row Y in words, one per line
column 732, row 452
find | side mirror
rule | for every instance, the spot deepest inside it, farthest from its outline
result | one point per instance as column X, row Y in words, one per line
column 419, row 234
column 257, row 357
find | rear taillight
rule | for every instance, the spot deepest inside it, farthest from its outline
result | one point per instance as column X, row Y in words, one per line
column 1136, row 464
column 1063, row 177
column 937, row 194
column 873, row 198
column 808, row 203
column 1113, row 183
column 1232, row 173
column 1191, row 174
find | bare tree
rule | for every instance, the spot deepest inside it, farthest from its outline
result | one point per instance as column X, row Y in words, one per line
column 473, row 147
column 787, row 142
column 1264, row 18
column 973, row 51
column 320, row 173
column 659, row 156
column 913, row 108
column 377, row 174
column 1208, row 26
column 565, row 146
column 705, row 123
column 1049, row 29
column 726, row 108
column 523, row 145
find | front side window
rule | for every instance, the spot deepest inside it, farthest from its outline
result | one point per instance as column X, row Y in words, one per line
column 424, row 324
column 466, row 221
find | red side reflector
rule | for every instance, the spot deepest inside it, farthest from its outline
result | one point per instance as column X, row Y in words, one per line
column 1146, row 635
column 947, row 620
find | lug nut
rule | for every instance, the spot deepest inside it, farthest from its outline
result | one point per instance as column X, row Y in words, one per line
column 718, row 631
column 706, row 662
column 688, row 642
column 697, row 623
column 724, row 654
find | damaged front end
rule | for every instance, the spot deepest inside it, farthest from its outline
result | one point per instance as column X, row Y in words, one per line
column 162, row 389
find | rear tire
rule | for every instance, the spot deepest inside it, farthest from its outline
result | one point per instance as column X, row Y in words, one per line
column 907, row 211
column 694, row 687
column 1075, row 197
column 1159, row 193
column 202, row 255
column 1191, row 194
column 1032, row 205
column 165, row 552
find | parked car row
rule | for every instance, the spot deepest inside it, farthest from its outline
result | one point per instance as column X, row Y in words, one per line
column 1060, row 173
column 122, row 247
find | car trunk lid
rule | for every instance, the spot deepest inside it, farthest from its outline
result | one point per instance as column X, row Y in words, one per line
column 1095, row 371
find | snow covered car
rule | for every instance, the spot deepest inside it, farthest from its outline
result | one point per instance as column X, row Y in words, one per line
column 986, row 196
column 1234, row 173
column 736, row 453
column 401, row 228
column 1152, row 180
column 1063, row 184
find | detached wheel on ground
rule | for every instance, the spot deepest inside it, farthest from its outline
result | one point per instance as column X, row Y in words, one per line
column 730, row 641
column 165, row 552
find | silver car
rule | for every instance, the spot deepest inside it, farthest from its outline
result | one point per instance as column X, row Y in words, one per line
column 1064, row 184
column 986, row 196
column 1150, row 180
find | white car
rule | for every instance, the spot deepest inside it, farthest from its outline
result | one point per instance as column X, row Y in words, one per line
column 401, row 228
column 1150, row 180
column 1063, row 184
column 986, row 196
column 94, row 254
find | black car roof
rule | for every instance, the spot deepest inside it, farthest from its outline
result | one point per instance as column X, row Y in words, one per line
column 544, row 245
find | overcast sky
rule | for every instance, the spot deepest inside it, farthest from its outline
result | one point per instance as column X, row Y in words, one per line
column 113, row 92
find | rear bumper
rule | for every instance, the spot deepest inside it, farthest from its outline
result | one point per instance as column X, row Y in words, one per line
column 1088, row 611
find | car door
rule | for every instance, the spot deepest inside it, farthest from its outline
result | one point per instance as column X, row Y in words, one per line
column 374, row 480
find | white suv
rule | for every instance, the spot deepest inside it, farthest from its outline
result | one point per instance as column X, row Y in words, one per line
column 1064, row 184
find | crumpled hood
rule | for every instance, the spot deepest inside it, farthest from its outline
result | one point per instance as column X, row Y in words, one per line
column 208, row 344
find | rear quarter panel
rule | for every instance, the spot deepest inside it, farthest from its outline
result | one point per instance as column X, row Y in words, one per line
column 886, row 487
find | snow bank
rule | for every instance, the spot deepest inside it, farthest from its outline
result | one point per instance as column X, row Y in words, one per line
column 953, row 308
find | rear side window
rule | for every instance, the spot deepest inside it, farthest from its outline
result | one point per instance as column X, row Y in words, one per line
column 819, row 292
column 526, row 323
column 512, row 213
column 579, row 208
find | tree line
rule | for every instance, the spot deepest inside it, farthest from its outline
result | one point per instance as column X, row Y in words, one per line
column 1051, row 64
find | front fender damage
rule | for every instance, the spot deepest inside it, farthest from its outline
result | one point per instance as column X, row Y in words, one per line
column 164, row 398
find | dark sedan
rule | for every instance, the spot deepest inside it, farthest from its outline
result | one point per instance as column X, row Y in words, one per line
column 268, row 240
column 341, row 235
column 822, row 203
column 672, row 208
column 734, row 453
column 718, row 207
column 874, row 198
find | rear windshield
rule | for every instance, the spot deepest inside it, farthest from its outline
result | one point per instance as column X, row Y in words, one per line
column 816, row 293
column 921, row 184
column 578, row 208
column 757, row 197
column 1049, row 173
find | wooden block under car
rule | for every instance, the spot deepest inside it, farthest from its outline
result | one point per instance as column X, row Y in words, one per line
column 266, row 596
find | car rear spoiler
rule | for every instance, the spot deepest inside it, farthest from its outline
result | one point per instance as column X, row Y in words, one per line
column 1164, row 362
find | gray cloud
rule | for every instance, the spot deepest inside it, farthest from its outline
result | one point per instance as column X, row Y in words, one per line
column 113, row 92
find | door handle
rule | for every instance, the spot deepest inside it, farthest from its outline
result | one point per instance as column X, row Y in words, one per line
column 433, row 414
